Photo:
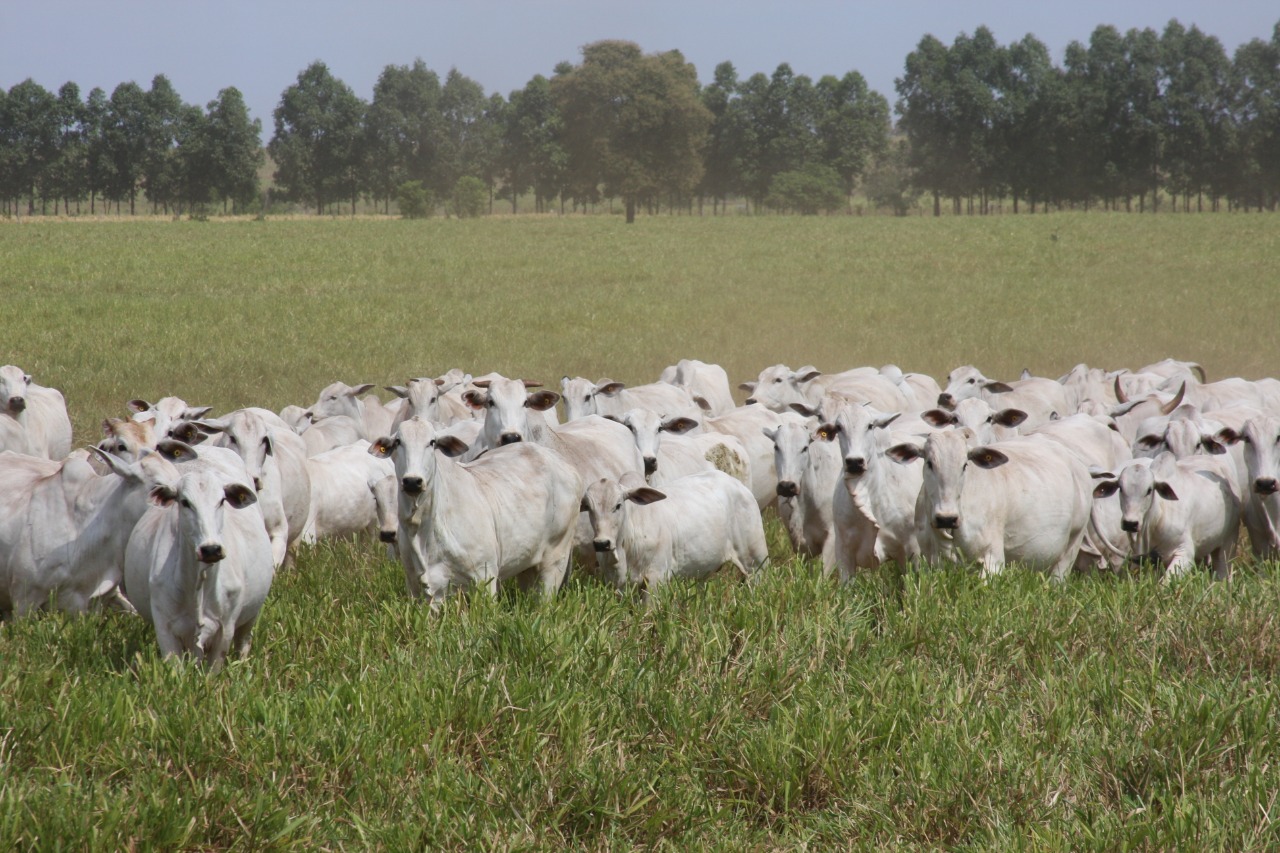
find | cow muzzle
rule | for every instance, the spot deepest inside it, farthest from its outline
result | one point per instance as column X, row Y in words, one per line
column 411, row 485
column 787, row 489
column 210, row 553
column 946, row 522
column 1129, row 525
column 17, row 404
column 946, row 401
column 650, row 465
column 1266, row 486
column 751, row 401
column 856, row 465
column 387, row 535
column 602, row 546
column 509, row 438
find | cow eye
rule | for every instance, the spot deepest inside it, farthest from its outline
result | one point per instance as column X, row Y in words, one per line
column 618, row 506
column 1150, row 490
column 928, row 464
column 586, row 399
column 972, row 380
column 232, row 439
column 186, row 503
column 779, row 379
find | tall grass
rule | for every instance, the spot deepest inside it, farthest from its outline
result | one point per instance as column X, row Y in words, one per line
column 919, row 710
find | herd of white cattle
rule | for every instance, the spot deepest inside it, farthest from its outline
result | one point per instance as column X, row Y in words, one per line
column 184, row 518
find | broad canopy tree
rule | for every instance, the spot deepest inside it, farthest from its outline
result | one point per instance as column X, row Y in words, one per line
column 633, row 123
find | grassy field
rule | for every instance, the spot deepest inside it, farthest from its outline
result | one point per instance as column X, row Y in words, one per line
column 920, row 710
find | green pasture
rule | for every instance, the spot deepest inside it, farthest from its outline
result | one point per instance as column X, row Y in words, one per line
column 906, row 710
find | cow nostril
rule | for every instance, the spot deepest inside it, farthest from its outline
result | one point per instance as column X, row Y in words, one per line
column 1129, row 526
column 1266, row 485
column 509, row 438
column 650, row 464
column 210, row 553
column 751, row 401
column 17, row 404
column 946, row 401
column 855, row 466
column 787, row 489
column 945, row 522
column 387, row 535
column 412, row 485
column 602, row 545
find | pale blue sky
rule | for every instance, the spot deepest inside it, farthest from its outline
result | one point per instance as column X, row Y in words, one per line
column 259, row 46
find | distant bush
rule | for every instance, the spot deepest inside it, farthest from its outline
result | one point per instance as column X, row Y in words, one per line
column 470, row 197
column 889, row 183
column 414, row 200
column 810, row 190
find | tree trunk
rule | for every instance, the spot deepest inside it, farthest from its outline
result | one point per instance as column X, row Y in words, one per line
column 937, row 203
column 631, row 209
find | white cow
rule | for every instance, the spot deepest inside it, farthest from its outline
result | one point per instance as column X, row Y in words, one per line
column 1022, row 501
column 708, row 383
column 198, row 564
column 343, row 482
column 883, row 495
column 1042, row 399
column 779, row 388
column 746, row 424
column 33, row 411
column 1183, row 511
column 1261, row 439
column 430, row 399
column 681, row 453
column 689, row 528
column 166, row 413
column 808, row 472
column 583, row 397
column 63, row 527
column 512, row 510
column 372, row 418
column 276, row 458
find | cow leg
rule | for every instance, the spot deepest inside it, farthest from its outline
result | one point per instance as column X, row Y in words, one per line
column 1178, row 564
column 243, row 639
column 993, row 562
column 1221, row 565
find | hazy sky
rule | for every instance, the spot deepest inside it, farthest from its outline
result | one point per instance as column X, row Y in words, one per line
column 260, row 46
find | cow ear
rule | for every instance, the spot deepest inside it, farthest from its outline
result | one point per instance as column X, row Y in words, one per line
column 997, row 387
column 807, row 374
column 882, row 421
column 645, row 495
column 807, row 411
column 1227, row 435
column 609, row 388
column 770, row 433
column 197, row 412
column 115, row 463
column 481, row 383
column 383, row 447
column 361, row 390
column 1212, row 445
column 541, row 401
column 1009, row 417
column 212, row 424
column 1026, row 373
column 530, row 383
column 1106, row 489
column 188, row 432
column 1150, row 442
column 702, row 402
column 904, row 453
column 678, row 426
column 476, row 399
column 398, row 390
column 939, row 418
column 163, row 495
column 1166, row 491
column 239, row 495
column 828, row 432
column 746, row 386
column 987, row 457
column 138, row 406
column 108, row 425
column 269, row 444
column 451, row 445
column 176, row 451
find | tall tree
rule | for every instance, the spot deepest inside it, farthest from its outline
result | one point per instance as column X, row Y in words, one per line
column 532, row 157
column 1256, row 71
column 98, row 163
column 404, row 130
column 462, row 105
column 727, row 139
column 125, row 136
column 925, row 104
column 160, row 167
column 67, row 177
column 634, row 123
column 782, row 113
column 853, row 126
column 235, row 148
column 317, row 145
column 31, row 117
column 1197, row 131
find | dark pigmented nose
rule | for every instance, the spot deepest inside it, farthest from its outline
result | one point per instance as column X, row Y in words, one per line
column 602, row 545
column 946, row 401
column 387, row 535
column 509, row 438
column 945, row 522
column 856, row 465
column 650, row 464
column 787, row 489
column 211, row 553
column 1129, row 526
column 411, row 485
column 751, row 401
column 17, row 404
column 1266, row 486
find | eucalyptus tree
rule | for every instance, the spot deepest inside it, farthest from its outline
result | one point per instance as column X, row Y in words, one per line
column 125, row 133
column 852, row 127
column 67, row 174
column 317, row 144
column 781, row 113
column 727, row 138
column 465, row 131
column 234, row 143
column 31, row 125
column 1256, row 72
column 634, row 124
column 531, row 155
column 1197, row 97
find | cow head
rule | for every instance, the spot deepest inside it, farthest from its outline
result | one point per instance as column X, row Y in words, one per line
column 203, row 496
column 605, row 505
column 506, row 404
column 13, row 389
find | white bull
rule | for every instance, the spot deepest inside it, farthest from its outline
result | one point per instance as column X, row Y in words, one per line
column 476, row 524
column 38, row 413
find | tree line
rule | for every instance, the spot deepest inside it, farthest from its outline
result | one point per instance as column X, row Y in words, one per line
column 1126, row 121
